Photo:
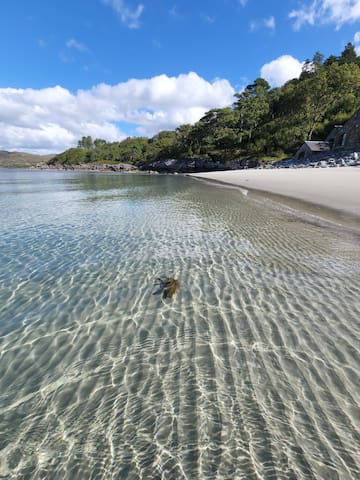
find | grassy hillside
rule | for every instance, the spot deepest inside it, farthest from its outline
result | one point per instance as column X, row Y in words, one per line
column 21, row 159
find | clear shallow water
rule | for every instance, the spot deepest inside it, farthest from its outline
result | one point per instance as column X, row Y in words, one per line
column 251, row 371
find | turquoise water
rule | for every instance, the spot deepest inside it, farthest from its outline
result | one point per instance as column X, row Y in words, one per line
column 251, row 370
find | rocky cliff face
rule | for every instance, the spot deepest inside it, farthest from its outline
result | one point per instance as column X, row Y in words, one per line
column 348, row 136
column 190, row 165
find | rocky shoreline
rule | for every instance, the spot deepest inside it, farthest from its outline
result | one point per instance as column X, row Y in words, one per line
column 171, row 165
column 89, row 167
column 198, row 165
column 193, row 165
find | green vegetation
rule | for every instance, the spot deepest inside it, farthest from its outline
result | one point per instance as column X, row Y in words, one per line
column 262, row 122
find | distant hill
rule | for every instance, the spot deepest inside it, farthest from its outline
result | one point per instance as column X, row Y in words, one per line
column 21, row 159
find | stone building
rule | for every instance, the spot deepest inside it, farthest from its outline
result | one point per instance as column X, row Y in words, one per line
column 310, row 147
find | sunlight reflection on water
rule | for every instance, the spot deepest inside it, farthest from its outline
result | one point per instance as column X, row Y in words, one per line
column 250, row 371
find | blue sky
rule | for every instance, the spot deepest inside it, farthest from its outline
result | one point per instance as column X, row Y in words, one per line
column 113, row 68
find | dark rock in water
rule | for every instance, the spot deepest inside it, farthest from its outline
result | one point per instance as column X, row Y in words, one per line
column 189, row 165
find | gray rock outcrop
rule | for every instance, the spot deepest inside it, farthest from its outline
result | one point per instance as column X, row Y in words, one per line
column 190, row 165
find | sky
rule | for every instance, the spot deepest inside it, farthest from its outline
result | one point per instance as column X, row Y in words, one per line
column 118, row 68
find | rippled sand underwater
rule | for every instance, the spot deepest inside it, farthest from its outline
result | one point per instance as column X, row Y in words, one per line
column 251, row 370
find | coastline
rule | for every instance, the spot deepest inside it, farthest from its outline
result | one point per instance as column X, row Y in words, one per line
column 89, row 167
column 337, row 189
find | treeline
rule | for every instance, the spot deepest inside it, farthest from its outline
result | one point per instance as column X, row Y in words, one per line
column 263, row 122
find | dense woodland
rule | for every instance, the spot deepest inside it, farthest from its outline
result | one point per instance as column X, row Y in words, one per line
column 263, row 122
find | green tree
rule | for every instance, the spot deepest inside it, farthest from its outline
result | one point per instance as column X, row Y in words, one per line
column 321, row 92
column 252, row 105
column 310, row 67
column 99, row 142
column 348, row 55
column 86, row 142
column 182, row 146
column 318, row 60
column 330, row 60
column 203, row 136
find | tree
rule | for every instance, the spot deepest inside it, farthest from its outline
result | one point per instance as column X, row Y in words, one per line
column 99, row 142
column 348, row 55
column 330, row 60
column 321, row 92
column 318, row 60
column 310, row 67
column 226, row 139
column 85, row 142
column 252, row 105
column 202, row 139
column 182, row 145
column 307, row 69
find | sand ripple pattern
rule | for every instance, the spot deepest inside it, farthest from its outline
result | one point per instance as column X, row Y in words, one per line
column 250, row 372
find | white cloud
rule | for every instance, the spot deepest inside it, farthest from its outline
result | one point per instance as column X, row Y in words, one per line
column 357, row 42
column 280, row 70
column 72, row 43
column 269, row 23
column 265, row 22
column 53, row 119
column 131, row 18
column 337, row 12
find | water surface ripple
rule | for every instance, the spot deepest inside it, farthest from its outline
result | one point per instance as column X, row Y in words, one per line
column 250, row 372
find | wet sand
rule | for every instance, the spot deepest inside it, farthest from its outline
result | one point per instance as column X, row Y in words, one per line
column 335, row 188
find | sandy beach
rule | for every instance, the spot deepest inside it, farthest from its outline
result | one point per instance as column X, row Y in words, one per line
column 335, row 188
